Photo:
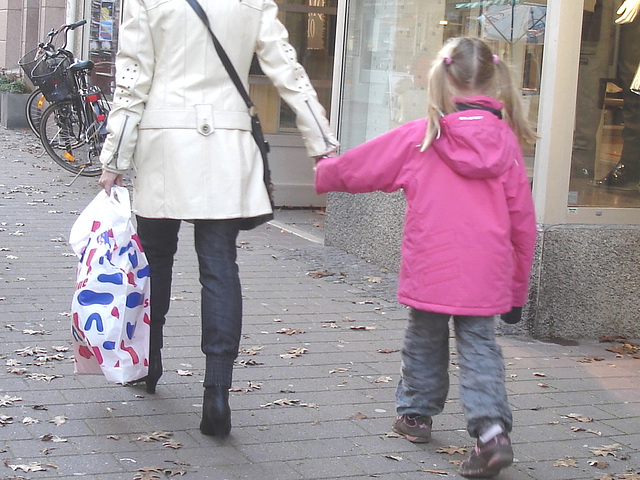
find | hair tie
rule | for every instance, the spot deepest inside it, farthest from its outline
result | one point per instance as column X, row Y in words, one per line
column 447, row 60
column 496, row 59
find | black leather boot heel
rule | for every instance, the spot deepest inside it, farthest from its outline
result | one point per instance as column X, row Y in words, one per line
column 155, row 371
column 216, row 413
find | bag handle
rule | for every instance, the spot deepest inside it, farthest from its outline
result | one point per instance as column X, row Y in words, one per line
column 223, row 56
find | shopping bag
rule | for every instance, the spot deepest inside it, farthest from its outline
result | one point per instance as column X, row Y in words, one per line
column 110, row 307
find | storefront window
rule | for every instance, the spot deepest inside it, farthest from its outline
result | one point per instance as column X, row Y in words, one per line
column 312, row 32
column 103, row 42
column 605, row 168
column 390, row 47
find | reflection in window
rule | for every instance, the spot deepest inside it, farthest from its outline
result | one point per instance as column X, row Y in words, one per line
column 390, row 47
column 312, row 32
column 605, row 168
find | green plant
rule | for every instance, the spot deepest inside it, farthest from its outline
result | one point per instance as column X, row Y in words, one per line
column 11, row 83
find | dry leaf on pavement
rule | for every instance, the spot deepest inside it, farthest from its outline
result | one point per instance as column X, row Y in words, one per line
column 566, row 462
column 598, row 463
column 435, row 472
column 452, row 450
column 580, row 418
column 393, row 457
column 606, row 450
column 294, row 352
column 7, row 400
column 155, row 436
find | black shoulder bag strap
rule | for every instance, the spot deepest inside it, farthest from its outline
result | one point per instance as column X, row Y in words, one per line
column 256, row 128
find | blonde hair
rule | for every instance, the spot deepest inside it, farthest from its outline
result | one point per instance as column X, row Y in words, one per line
column 466, row 66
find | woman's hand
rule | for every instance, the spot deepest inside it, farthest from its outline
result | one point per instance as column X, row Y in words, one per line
column 628, row 11
column 109, row 179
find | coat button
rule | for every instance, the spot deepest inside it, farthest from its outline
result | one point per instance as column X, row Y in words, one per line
column 205, row 128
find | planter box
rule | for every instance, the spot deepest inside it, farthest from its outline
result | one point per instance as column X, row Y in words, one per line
column 12, row 106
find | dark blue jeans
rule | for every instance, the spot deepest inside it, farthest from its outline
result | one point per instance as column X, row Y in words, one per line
column 221, row 296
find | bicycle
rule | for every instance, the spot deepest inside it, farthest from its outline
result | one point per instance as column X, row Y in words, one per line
column 37, row 103
column 72, row 128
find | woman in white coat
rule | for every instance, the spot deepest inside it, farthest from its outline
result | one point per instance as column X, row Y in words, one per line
column 180, row 124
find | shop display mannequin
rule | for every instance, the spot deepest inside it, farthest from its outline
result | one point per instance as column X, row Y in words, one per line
column 627, row 172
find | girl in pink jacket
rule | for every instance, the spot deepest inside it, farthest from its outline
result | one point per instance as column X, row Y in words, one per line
column 468, row 241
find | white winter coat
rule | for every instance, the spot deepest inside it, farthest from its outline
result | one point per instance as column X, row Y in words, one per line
column 178, row 120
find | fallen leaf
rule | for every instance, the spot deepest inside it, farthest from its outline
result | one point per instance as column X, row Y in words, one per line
column 58, row 420
column 174, row 472
column 630, row 476
column 591, row 359
column 155, row 436
column 35, row 332
column 357, row 416
column 30, row 351
column 290, row 331
column 606, row 450
column 172, row 444
column 29, row 467
column 113, row 437
column 383, row 379
column 294, row 352
column 7, row 400
column 385, row 350
column 250, row 388
column 30, row 421
column 251, row 351
column 566, row 462
column 340, row 370
column 452, row 450
column 539, row 374
column 5, row 420
column 361, row 327
column 598, row 464
column 435, row 472
column 543, row 385
column 371, row 279
column 580, row 418
column 320, row 274
column 184, row 373
column 247, row 363
column 393, row 457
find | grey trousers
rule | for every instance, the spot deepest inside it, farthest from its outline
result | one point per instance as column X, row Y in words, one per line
column 424, row 383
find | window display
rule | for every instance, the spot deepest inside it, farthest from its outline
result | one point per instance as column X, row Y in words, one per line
column 103, row 42
column 312, row 32
column 390, row 46
column 605, row 169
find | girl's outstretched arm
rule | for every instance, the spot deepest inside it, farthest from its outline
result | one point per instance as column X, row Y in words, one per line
column 381, row 164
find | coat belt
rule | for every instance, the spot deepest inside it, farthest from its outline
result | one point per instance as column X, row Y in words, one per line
column 202, row 118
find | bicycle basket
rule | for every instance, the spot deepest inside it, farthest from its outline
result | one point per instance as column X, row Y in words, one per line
column 50, row 74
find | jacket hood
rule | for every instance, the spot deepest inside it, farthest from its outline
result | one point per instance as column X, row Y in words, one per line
column 475, row 143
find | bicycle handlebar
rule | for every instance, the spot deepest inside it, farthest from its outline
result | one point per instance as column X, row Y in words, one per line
column 48, row 45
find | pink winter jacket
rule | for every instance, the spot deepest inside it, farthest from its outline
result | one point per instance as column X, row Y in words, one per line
column 470, row 228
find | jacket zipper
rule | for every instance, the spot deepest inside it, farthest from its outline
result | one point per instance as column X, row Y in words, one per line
column 116, row 154
column 327, row 142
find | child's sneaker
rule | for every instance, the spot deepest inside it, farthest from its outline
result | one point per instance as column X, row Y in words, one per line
column 487, row 459
column 415, row 428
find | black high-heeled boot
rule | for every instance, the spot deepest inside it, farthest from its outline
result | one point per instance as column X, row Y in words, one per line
column 216, row 413
column 155, row 359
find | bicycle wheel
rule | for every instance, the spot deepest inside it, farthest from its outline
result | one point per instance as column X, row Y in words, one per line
column 70, row 139
column 35, row 107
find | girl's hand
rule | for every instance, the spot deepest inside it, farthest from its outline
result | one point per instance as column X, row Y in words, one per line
column 628, row 11
column 109, row 179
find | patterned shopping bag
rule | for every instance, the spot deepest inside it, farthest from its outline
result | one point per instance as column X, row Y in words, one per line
column 110, row 307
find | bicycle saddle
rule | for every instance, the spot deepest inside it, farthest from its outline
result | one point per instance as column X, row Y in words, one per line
column 81, row 65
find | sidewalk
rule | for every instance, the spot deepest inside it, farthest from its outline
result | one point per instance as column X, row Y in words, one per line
column 325, row 414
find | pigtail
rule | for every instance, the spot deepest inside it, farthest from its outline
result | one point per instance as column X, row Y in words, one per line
column 439, row 101
column 510, row 97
